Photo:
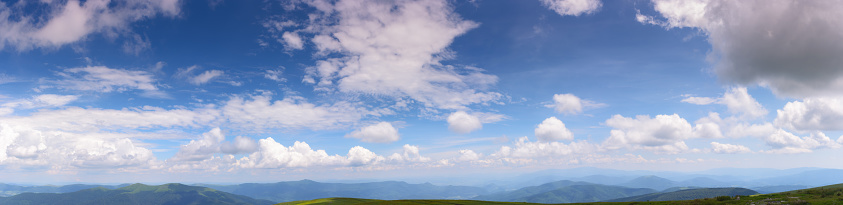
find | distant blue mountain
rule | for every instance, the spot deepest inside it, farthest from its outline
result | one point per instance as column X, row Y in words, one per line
column 11, row 190
column 135, row 194
column 651, row 182
column 309, row 190
column 565, row 192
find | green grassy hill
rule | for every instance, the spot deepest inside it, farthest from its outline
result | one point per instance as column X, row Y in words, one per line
column 832, row 194
column 688, row 194
column 353, row 201
column 565, row 192
column 584, row 193
column 135, row 194
column 528, row 191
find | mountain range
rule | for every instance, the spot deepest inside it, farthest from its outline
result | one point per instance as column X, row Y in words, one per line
column 389, row 190
column 135, row 194
column 578, row 186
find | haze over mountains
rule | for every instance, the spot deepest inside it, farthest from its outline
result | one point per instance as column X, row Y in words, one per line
column 601, row 185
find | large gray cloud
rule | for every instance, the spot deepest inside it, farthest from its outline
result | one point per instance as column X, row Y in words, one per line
column 794, row 47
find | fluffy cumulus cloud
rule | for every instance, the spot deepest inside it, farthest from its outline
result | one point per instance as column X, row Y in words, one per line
column 67, row 22
column 468, row 155
column 785, row 142
column 737, row 100
column 272, row 154
column 212, row 143
column 662, row 134
column 463, row 123
column 411, row 154
column 552, row 129
column 728, row 148
column 573, row 7
column 389, row 48
column 812, row 114
column 571, row 104
column 791, row 46
column 383, row 132
column 526, row 149
column 23, row 146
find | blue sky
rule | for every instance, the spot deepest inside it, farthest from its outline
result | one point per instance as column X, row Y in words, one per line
column 250, row 91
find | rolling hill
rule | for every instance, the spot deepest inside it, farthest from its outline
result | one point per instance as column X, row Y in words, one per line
column 308, row 190
column 652, row 182
column 11, row 190
column 832, row 194
column 565, row 192
column 584, row 193
column 528, row 191
column 688, row 194
column 135, row 194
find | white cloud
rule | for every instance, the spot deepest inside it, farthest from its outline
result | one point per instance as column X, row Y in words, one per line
column 552, row 129
column 93, row 119
column 239, row 145
column 699, row 100
column 272, row 154
column 737, row 100
column 468, row 155
column 212, row 143
column 394, row 49
column 411, row 154
column 573, row 7
column 292, row 40
column 275, row 75
column 793, row 47
column 463, row 123
column 571, row 104
column 811, row 114
column 260, row 112
column 728, row 148
column 664, row 133
column 23, row 146
column 786, row 142
column 709, row 126
column 39, row 101
column 67, row 22
column 104, row 79
column 205, row 77
column 529, row 150
column 383, row 132
column 201, row 78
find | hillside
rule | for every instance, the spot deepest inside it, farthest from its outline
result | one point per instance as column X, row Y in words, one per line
column 832, row 194
column 135, row 194
column 652, row 182
column 308, row 190
column 354, row 201
column 11, row 190
column 688, row 194
column 584, row 193
column 528, row 191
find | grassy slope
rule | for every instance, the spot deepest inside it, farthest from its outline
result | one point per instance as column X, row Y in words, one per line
column 528, row 191
column 832, row 194
column 584, row 193
column 688, row 194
